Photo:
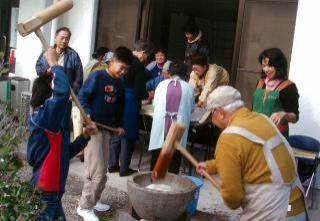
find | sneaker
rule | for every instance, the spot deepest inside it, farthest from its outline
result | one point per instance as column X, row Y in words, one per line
column 101, row 207
column 113, row 169
column 87, row 214
column 127, row 172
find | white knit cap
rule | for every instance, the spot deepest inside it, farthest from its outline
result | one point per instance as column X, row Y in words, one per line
column 166, row 65
column 220, row 97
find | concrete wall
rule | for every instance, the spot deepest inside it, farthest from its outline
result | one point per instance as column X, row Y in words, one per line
column 81, row 20
column 29, row 47
column 304, row 70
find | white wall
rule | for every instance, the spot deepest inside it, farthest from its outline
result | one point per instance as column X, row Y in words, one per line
column 304, row 70
column 81, row 20
column 29, row 47
column 82, row 23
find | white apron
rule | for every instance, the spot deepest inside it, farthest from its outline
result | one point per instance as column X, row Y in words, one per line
column 267, row 202
column 183, row 115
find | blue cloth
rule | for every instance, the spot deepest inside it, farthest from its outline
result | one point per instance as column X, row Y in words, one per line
column 154, row 69
column 304, row 143
column 121, row 149
column 72, row 68
column 306, row 167
column 53, row 210
column 102, row 97
column 136, row 79
column 49, row 149
column 135, row 90
column 184, row 112
column 153, row 83
column 116, row 144
column 132, row 107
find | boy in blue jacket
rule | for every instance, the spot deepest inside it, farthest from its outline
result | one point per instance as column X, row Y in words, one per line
column 49, row 149
column 102, row 98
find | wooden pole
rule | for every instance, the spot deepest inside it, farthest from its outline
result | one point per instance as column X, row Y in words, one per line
column 194, row 162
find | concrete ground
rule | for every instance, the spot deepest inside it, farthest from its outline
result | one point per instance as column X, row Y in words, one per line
column 210, row 205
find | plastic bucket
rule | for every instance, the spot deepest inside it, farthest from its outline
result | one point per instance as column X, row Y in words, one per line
column 192, row 206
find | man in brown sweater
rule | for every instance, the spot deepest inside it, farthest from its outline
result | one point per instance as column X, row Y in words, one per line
column 254, row 161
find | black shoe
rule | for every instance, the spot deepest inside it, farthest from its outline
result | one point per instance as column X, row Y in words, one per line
column 127, row 172
column 113, row 169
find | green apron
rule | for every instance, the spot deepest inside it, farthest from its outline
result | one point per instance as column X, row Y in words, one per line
column 268, row 102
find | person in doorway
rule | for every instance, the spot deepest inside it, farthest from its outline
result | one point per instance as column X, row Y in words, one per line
column 49, row 149
column 155, row 67
column 173, row 101
column 275, row 95
column 102, row 98
column 205, row 77
column 135, row 92
column 195, row 43
column 96, row 63
column 254, row 161
column 151, row 85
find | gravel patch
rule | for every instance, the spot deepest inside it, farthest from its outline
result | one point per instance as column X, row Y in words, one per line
column 117, row 199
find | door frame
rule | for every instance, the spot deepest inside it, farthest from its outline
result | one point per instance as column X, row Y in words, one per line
column 237, row 42
column 239, row 30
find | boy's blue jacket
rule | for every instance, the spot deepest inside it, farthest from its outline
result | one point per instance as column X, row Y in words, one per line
column 49, row 149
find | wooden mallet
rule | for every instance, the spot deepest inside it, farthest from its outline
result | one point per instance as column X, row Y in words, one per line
column 173, row 142
column 34, row 24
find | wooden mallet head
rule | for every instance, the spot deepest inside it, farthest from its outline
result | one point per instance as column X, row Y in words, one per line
column 171, row 144
column 43, row 17
column 34, row 23
column 174, row 135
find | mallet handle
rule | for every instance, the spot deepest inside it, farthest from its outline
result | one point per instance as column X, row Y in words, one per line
column 84, row 115
column 112, row 129
column 45, row 44
column 189, row 157
column 39, row 34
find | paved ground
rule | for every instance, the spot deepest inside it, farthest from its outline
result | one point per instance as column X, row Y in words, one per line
column 114, row 197
column 210, row 205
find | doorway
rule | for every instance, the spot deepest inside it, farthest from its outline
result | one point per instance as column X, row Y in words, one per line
column 161, row 22
column 8, row 12
column 262, row 24
column 117, row 23
column 237, row 30
column 217, row 19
